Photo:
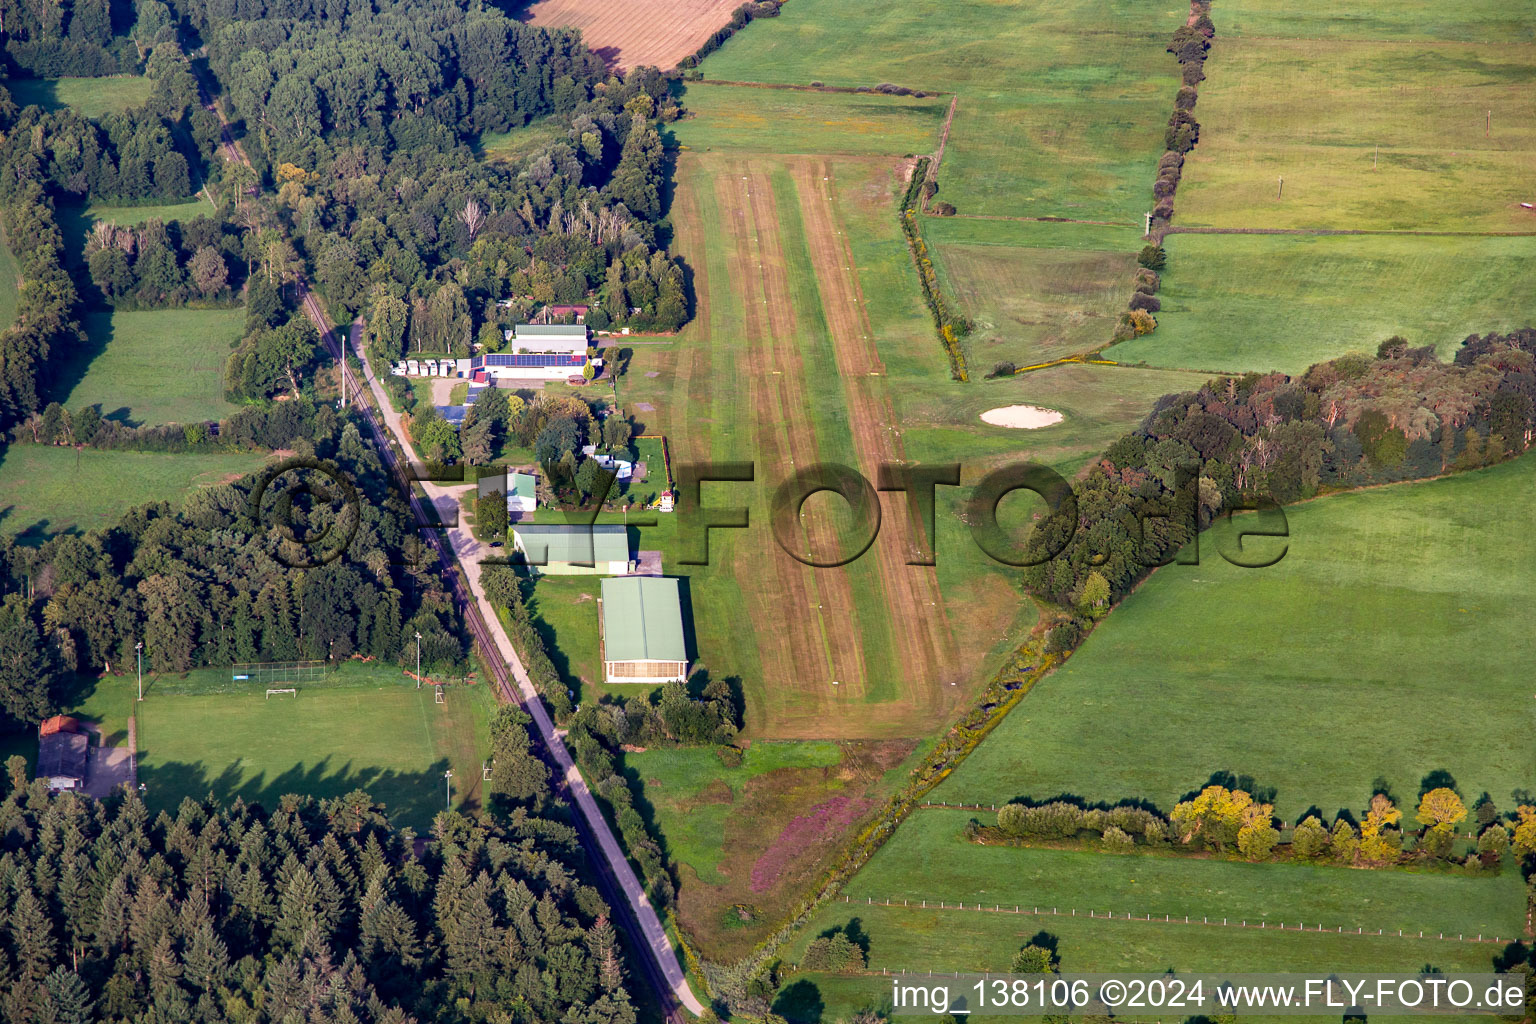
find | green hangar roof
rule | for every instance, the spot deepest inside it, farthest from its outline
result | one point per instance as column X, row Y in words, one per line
column 642, row 619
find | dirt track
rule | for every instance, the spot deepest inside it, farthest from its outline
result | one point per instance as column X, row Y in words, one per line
column 631, row 33
column 922, row 631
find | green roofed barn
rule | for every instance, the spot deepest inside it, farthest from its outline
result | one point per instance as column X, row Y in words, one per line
column 601, row 550
column 643, row 631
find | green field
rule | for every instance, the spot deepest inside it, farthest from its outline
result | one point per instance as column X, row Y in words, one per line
column 46, row 490
column 804, row 121
column 1317, row 112
column 10, row 283
column 76, row 221
column 1492, row 21
column 364, row 728
column 160, row 366
column 1033, row 291
column 1388, row 644
column 520, row 143
column 920, row 941
column 1268, row 302
column 564, row 609
column 90, row 97
column 1060, row 108
column 928, row 859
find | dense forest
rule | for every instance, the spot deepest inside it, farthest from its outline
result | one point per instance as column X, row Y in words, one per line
column 1264, row 439
column 221, row 578
column 310, row 910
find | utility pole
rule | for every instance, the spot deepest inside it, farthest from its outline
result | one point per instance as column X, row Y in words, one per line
column 418, row 661
column 1281, row 190
column 448, row 786
column 139, row 648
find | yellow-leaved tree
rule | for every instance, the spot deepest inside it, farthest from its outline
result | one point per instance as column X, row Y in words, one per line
column 1380, row 839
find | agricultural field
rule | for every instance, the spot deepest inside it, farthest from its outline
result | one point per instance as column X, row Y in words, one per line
column 46, row 490
column 365, row 728
column 1264, row 302
column 1059, row 108
column 635, row 33
column 90, row 97
column 1033, row 291
column 928, row 861
column 763, row 120
column 925, row 940
column 158, row 366
column 1404, row 598
column 1369, row 134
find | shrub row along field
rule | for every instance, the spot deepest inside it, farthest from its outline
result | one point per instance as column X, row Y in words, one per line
column 1386, row 645
column 363, row 727
column 159, row 366
column 46, row 490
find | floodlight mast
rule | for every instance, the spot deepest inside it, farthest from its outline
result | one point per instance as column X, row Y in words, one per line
column 418, row 660
column 139, row 650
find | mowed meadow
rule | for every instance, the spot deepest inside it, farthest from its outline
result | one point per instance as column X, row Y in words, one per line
column 1359, row 175
column 1386, row 645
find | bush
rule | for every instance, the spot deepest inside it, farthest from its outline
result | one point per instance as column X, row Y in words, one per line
column 1012, row 819
column 1063, row 638
column 1170, row 159
column 1194, row 74
column 1184, row 99
column 1116, row 840
column 1146, row 281
column 1150, row 303
column 1164, row 188
column 1310, row 840
column 1163, row 211
column 1004, row 369
column 815, row 85
column 944, row 209
column 1153, row 257
column 731, row 757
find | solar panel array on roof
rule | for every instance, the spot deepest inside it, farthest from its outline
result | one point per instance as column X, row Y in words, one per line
column 534, row 359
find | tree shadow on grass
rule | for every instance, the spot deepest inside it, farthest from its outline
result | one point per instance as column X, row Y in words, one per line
column 800, row 1002
column 409, row 798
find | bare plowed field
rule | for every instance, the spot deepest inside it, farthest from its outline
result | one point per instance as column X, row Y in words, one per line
column 631, row 33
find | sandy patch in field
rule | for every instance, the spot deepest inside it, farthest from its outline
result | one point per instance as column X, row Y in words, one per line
column 1021, row 417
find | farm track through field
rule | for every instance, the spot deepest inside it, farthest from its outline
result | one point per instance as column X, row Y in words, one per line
column 911, row 593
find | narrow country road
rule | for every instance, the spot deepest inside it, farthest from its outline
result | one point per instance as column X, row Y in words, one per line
column 460, row 563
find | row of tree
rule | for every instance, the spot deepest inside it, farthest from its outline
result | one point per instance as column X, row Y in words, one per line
column 1233, row 821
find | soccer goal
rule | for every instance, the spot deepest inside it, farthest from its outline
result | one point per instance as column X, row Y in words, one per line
column 282, row 691
column 440, row 698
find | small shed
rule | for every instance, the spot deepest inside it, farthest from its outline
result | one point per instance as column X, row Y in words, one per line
column 643, row 631
column 522, row 497
column 560, row 550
